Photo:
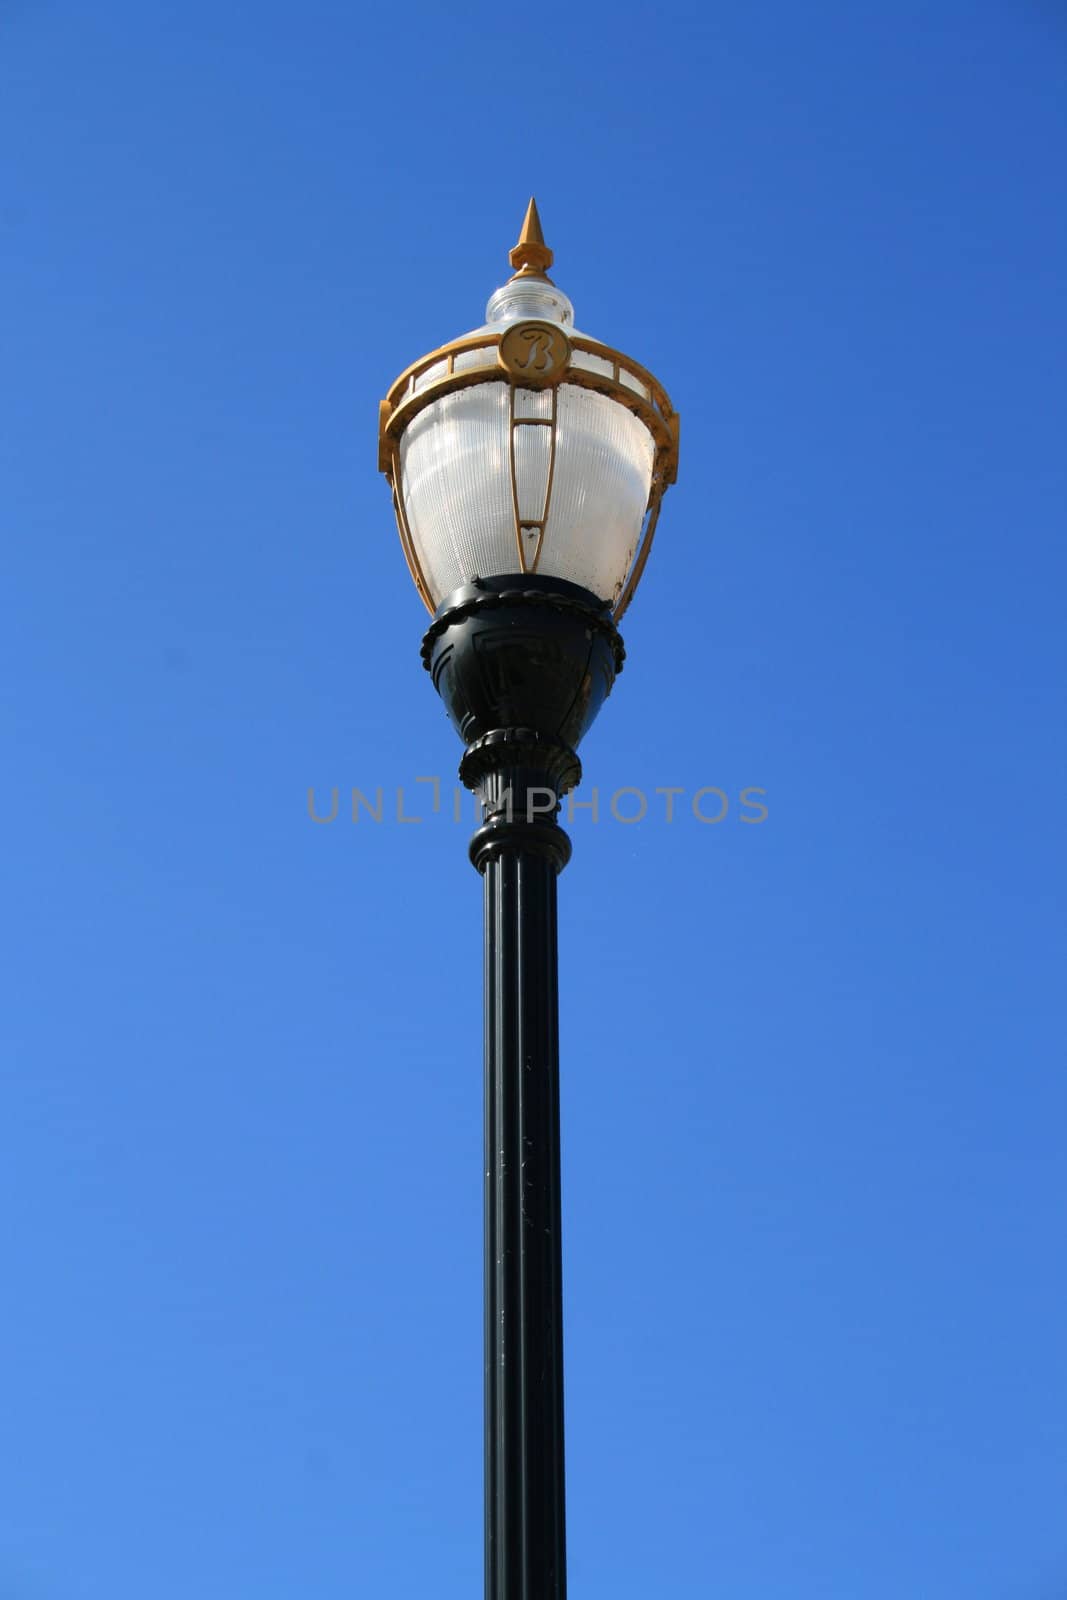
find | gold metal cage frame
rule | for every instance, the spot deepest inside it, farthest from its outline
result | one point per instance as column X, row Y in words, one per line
column 444, row 371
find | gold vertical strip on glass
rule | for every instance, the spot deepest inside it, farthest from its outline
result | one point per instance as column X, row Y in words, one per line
column 407, row 544
column 521, row 522
column 553, row 441
column 643, row 549
column 512, row 424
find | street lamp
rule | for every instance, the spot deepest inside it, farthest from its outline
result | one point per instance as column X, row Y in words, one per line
column 527, row 463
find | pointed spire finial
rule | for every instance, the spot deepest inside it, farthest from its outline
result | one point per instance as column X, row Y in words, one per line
column 531, row 257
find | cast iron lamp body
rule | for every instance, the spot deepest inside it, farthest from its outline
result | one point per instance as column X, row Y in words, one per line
column 527, row 464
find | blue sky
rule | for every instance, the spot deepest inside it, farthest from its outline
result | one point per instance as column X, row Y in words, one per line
column 814, row 1093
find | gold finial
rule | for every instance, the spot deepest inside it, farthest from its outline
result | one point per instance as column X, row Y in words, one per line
column 531, row 257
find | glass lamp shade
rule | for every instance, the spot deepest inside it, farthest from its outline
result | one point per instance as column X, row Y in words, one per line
column 456, row 484
column 525, row 446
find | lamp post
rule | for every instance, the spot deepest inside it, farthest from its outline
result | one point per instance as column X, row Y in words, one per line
column 527, row 464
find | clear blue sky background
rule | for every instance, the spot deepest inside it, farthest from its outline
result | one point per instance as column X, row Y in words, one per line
column 814, row 1089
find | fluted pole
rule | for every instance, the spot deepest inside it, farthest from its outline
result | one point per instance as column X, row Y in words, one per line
column 525, row 1542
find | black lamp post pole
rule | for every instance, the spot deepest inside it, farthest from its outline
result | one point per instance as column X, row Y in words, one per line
column 523, row 664
column 525, row 1551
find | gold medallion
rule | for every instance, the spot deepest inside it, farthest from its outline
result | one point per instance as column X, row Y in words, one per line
column 535, row 352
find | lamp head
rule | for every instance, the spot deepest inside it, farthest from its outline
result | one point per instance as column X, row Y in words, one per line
column 527, row 447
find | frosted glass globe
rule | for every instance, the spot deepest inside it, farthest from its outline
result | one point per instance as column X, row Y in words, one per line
column 456, row 482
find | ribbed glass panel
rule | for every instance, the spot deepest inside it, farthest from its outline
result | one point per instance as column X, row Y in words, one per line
column 456, row 477
column 484, row 356
column 431, row 375
column 533, row 403
column 604, row 460
column 633, row 383
column 582, row 358
column 456, row 484
column 533, row 453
